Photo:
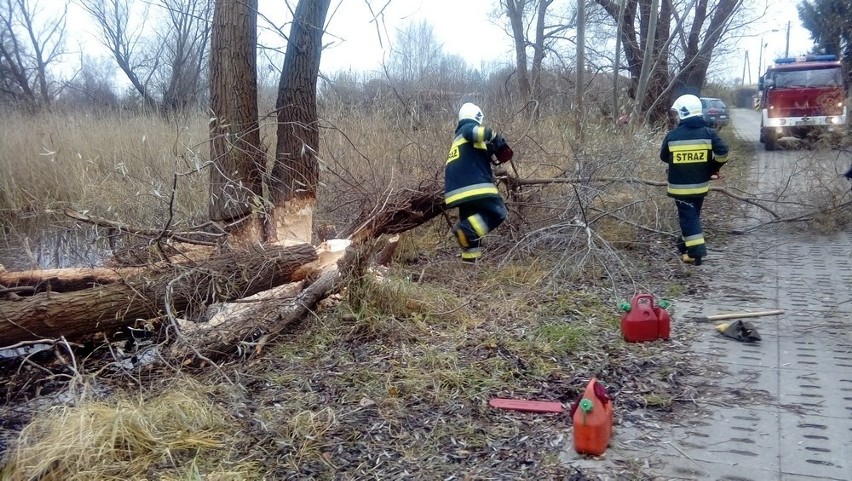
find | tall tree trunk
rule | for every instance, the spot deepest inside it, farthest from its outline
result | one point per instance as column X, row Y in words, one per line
column 616, row 63
column 581, row 70
column 515, row 12
column 295, row 176
column 659, row 79
column 694, row 73
column 238, row 161
column 538, row 50
column 648, row 29
column 624, row 12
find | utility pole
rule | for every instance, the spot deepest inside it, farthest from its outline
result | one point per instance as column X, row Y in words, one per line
column 787, row 48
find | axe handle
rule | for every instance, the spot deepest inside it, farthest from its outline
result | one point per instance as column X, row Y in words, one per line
column 739, row 315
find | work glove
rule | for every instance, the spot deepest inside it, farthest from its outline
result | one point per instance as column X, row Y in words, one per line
column 739, row 330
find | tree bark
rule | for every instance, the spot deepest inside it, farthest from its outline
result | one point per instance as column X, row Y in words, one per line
column 177, row 290
column 238, row 161
column 515, row 12
column 64, row 280
column 295, row 176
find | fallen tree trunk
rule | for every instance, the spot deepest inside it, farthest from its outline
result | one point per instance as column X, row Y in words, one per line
column 185, row 289
column 64, row 280
column 246, row 325
column 249, row 329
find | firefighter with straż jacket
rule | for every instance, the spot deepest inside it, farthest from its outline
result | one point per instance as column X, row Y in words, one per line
column 694, row 153
column 469, row 181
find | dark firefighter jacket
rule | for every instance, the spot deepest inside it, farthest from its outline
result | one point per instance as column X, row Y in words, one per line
column 694, row 152
column 467, row 174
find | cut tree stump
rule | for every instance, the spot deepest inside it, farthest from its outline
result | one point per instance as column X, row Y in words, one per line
column 182, row 289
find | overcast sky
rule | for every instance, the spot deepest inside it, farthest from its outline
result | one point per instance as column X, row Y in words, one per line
column 466, row 28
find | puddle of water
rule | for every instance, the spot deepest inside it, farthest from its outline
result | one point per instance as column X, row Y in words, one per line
column 48, row 243
column 51, row 242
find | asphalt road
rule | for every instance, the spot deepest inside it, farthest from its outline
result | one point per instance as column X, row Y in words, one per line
column 795, row 423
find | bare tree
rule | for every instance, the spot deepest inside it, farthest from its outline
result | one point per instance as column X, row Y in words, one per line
column 421, row 75
column 416, row 54
column 166, row 70
column 581, row 68
column 92, row 87
column 295, row 175
column 238, row 161
column 532, row 27
column 31, row 40
column 123, row 40
column 673, row 41
column 185, row 40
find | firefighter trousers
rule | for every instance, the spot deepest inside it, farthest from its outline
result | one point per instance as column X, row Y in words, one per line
column 692, row 235
column 476, row 219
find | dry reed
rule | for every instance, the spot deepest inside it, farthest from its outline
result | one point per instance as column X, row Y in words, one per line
column 121, row 439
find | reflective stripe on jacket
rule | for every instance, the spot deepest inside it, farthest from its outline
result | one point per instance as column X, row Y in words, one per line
column 693, row 152
column 468, row 174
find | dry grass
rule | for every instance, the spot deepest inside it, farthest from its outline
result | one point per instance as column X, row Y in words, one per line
column 394, row 381
column 175, row 434
column 120, row 167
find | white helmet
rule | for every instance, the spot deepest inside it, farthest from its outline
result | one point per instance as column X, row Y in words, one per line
column 687, row 106
column 472, row 112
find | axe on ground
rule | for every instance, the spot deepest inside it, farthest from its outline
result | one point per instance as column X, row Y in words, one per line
column 738, row 315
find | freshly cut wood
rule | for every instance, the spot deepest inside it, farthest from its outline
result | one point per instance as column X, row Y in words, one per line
column 180, row 289
column 245, row 326
column 525, row 405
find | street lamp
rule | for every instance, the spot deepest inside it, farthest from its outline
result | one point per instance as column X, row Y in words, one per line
column 762, row 47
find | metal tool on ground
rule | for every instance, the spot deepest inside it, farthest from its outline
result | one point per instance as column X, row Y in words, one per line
column 739, row 330
column 527, row 406
column 738, row 315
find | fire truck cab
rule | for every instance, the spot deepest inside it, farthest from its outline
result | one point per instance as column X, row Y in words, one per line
column 800, row 97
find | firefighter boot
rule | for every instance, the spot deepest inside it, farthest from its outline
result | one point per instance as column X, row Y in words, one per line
column 687, row 259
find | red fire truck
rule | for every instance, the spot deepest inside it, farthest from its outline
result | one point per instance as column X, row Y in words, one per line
column 801, row 97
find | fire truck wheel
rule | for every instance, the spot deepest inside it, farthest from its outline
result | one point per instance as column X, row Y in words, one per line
column 770, row 140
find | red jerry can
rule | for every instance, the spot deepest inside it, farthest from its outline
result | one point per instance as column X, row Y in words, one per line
column 644, row 321
column 592, row 418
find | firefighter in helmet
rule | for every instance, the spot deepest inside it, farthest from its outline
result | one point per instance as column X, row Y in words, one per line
column 469, row 181
column 694, row 153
